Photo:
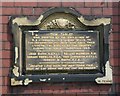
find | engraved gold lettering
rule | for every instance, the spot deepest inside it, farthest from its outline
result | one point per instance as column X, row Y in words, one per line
column 61, row 51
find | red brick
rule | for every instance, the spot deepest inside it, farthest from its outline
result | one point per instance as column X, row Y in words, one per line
column 88, row 94
column 95, row 4
column 114, row 45
column 35, row 90
column 1, row 26
column 73, row 4
column 103, row 93
column 38, row 11
column 115, row 20
column 6, row 37
column 6, row 81
column 117, row 88
column 115, row 53
column 5, row 89
column 6, row 54
column 107, row 11
column 115, row 28
column 115, row 4
column 84, row 11
column 0, row 72
column 8, row 4
column 15, row 90
column 76, row 90
column 114, row 36
column 6, row 63
column 27, row 11
column 0, row 36
column 18, row 11
column 49, row 95
column 119, row 11
column 49, row 4
column 104, row 88
column 51, row 87
column 3, row 37
column 115, row 11
column 62, row 91
column 28, row 90
column 1, row 80
column 5, row 71
column 110, row 4
column 7, row 45
column 1, row 47
column 45, row 91
column 5, row 28
column 116, row 69
column 96, row 11
column 4, row 19
column 119, row 17
column 94, row 88
column 11, row 11
column 26, row 4
column 8, row 11
column 1, row 89
column 0, row 62
column 58, row 94
column 0, row 54
column 116, row 79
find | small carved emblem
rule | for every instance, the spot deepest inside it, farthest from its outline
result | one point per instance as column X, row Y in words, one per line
column 60, row 24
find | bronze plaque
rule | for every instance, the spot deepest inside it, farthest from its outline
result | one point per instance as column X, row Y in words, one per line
column 61, row 51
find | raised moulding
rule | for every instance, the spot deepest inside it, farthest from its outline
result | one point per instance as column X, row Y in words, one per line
column 107, row 79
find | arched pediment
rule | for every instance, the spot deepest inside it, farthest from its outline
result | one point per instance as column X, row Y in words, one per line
column 61, row 19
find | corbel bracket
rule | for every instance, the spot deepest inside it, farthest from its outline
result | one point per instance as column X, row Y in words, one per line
column 15, row 81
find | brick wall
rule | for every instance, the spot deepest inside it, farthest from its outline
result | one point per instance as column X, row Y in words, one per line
column 115, row 48
column 33, row 11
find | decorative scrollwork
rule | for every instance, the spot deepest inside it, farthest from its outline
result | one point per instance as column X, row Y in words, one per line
column 15, row 82
column 60, row 23
column 15, row 71
column 27, row 81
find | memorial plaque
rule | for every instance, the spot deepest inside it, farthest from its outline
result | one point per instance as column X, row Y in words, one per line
column 60, row 46
column 61, row 52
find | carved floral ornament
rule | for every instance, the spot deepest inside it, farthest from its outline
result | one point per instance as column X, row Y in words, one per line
column 59, row 21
